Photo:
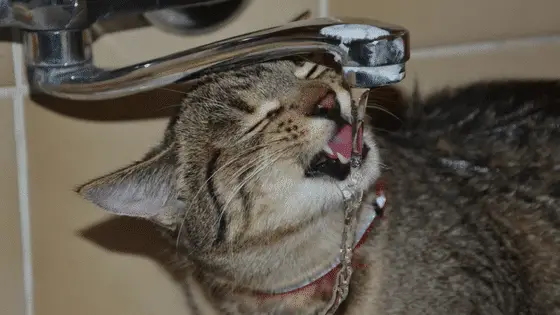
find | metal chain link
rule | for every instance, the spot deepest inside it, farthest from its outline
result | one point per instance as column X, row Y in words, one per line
column 352, row 199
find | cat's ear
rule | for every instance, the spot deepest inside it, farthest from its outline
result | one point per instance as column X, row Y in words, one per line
column 146, row 189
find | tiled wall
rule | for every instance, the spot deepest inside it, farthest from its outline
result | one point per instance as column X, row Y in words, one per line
column 61, row 255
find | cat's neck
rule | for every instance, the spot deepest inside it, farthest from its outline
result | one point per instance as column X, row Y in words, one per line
column 289, row 289
column 326, row 278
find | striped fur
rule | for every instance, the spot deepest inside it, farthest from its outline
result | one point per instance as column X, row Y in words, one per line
column 229, row 180
column 227, row 183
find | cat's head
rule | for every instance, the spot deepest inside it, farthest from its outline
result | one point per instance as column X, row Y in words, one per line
column 254, row 154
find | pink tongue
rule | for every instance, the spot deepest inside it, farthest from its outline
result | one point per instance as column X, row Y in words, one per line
column 342, row 142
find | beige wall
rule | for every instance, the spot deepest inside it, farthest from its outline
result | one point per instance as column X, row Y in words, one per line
column 85, row 263
column 456, row 41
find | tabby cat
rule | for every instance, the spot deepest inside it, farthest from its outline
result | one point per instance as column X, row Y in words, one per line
column 247, row 182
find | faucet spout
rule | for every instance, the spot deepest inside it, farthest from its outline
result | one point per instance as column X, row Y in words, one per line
column 370, row 53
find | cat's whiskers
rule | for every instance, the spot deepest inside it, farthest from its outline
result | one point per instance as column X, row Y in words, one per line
column 169, row 106
column 247, row 166
column 231, row 161
column 256, row 172
column 221, row 168
column 174, row 105
column 245, row 138
column 377, row 107
column 212, row 102
column 208, row 99
column 194, row 104
column 193, row 201
column 383, row 130
column 267, row 179
column 173, row 90
column 259, row 160
column 246, row 181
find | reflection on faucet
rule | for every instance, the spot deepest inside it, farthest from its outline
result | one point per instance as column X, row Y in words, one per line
column 370, row 53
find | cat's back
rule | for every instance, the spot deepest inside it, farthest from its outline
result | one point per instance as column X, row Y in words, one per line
column 474, row 195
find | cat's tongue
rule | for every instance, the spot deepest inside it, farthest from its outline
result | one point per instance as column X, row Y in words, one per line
column 341, row 143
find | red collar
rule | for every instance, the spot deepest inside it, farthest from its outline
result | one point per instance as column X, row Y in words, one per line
column 326, row 282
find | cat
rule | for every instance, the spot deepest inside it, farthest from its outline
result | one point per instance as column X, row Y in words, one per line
column 247, row 184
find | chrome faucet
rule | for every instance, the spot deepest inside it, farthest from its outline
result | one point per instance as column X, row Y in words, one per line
column 57, row 46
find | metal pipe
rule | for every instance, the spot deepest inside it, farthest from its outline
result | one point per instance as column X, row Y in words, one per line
column 370, row 53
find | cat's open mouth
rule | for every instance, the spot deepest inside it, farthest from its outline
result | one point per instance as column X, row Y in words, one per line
column 334, row 159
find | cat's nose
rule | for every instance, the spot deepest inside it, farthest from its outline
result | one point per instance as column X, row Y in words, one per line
column 313, row 96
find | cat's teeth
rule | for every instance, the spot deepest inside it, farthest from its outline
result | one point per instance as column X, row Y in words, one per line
column 342, row 159
column 328, row 150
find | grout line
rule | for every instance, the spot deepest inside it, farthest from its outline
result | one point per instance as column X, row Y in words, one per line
column 481, row 47
column 323, row 8
column 7, row 92
column 22, row 172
